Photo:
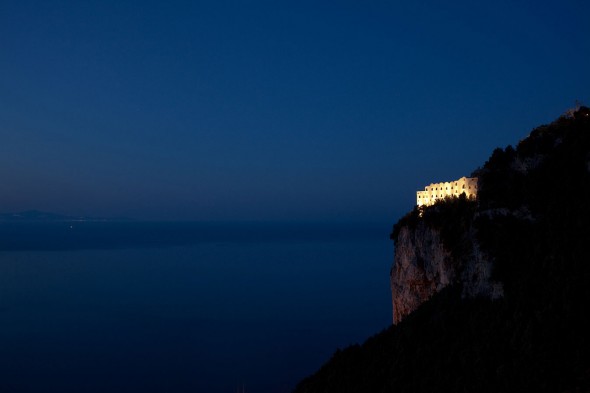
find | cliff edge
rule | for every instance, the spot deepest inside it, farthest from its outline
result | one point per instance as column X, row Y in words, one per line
column 489, row 295
column 436, row 247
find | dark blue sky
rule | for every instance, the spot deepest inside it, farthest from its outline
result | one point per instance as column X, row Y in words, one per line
column 271, row 110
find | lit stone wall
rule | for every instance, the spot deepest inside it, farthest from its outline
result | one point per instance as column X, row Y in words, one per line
column 436, row 191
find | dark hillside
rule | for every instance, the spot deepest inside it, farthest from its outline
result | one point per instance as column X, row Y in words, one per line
column 532, row 218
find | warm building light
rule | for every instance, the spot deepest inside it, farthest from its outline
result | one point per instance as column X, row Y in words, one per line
column 467, row 185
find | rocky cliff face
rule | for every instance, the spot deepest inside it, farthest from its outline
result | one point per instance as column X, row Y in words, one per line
column 421, row 268
column 424, row 265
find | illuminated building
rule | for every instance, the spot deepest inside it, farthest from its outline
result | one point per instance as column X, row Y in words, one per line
column 438, row 191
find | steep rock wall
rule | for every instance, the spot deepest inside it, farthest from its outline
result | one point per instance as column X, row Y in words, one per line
column 423, row 266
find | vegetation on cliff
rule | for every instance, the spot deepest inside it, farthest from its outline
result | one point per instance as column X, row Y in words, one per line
column 531, row 217
column 452, row 216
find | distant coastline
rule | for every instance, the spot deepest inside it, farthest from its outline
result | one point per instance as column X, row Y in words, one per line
column 41, row 216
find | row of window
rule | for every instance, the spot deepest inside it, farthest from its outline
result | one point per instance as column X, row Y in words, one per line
column 446, row 188
column 454, row 191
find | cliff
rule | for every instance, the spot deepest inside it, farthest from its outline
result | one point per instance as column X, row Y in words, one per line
column 434, row 248
column 490, row 295
column 422, row 268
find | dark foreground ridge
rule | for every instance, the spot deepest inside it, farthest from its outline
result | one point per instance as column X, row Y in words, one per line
column 531, row 221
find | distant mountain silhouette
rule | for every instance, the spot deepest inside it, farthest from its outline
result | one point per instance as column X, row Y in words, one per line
column 40, row 216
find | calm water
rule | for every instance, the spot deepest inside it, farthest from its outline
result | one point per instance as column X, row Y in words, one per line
column 101, row 307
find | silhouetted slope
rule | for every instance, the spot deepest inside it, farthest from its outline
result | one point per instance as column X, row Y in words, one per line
column 532, row 220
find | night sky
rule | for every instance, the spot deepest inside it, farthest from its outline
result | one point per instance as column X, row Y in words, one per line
column 271, row 110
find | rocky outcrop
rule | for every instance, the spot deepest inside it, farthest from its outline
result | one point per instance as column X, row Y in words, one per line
column 423, row 265
column 421, row 268
column 476, row 275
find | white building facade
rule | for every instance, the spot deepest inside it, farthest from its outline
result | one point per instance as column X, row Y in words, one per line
column 438, row 191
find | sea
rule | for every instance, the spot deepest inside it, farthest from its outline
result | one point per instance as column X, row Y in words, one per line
column 185, row 307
